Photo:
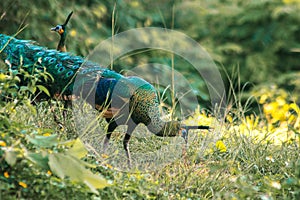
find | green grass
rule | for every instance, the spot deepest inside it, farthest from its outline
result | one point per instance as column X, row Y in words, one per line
column 251, row 167
column 248, row 157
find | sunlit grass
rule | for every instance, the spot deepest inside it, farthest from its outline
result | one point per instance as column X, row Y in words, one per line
column 253, row 156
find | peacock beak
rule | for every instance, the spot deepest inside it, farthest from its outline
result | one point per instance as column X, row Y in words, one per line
column 53, row 29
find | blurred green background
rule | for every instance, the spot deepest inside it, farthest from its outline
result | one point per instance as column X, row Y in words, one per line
column 257, row 42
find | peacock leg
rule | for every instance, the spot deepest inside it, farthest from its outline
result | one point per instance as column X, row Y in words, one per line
column 65, row 112
column 55, row 117
column 111, row 127
column 126, row 147
column 130, row 129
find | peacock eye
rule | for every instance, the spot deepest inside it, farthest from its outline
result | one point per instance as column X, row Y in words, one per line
column 58, row 27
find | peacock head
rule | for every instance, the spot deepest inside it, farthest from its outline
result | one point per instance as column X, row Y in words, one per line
column 176, row 128
column 61, row 29
column 183, row 132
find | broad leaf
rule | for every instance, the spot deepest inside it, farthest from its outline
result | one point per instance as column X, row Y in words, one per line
column 10, row 157
column 96, row 181
column 64, row 165
column 78, row 149
column 40, row 159
column 43, row 141
column 43, row 89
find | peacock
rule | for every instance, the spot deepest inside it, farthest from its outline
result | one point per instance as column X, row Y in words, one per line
column 62, row 31
column 134, row 99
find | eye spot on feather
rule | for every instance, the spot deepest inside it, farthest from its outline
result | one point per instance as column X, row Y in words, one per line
column 83, row 71
column 70, row 73
column 61, row 69
column 75, row 66
column 40, row 53
column 46, row 59
column 52, row 60
column 58, row 65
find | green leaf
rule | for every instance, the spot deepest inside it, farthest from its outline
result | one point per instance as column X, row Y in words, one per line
column 24, row 88
column 4, row 122
column 43, row 89
column 78, row 149
column 33, row 89
column 43, row 141
column 11, row 157
column 94, row 181
column 40, row 159
column 64, row 165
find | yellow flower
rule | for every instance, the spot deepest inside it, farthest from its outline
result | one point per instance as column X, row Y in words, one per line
column 270, row 107
column 295, row 107
column 135, row 4
column 290, row 1
column 88, row 41
column 2, row 143
column 73, row 33
column 24, row 185
column 199, row 118
column 12, row 110
column 47, row 134
column 2, row 77
column 263, row 98
column 109, row 166
column 251, row 122
column 6, row 174
column 277, row 110
column 280, row 100
column 270, row 158
column 221, row 146
column 229, row 118
column 49, row 173
column 104, row 156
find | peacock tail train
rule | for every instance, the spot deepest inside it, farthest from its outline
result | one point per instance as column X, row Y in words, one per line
column 72, row 75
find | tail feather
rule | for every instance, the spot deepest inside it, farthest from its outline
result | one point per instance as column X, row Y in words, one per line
column 62, row 66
